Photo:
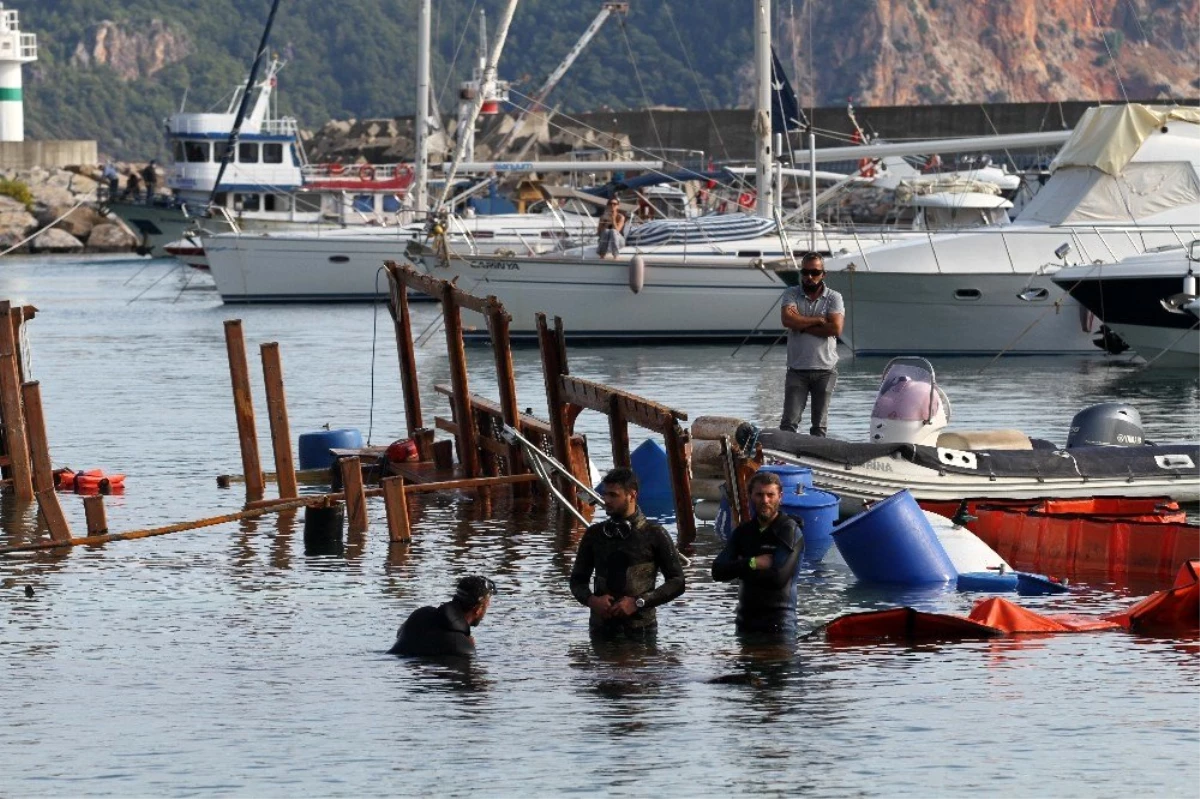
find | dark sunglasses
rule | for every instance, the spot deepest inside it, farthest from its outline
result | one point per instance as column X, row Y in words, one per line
column 812, row 272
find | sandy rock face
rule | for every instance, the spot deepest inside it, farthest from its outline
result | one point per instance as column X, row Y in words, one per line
column 55, row 240
column 110, row 237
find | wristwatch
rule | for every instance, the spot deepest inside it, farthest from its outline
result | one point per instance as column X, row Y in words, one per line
column 639, row 603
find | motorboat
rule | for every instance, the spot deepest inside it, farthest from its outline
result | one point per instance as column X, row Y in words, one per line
column 1149, row 300
column 913, row 447
column 1126, row 181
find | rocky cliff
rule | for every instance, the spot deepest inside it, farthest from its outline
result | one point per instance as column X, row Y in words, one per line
column 902, row 52
column 132, row 53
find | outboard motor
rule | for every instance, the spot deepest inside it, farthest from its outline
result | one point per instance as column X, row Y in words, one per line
column 1109, row 424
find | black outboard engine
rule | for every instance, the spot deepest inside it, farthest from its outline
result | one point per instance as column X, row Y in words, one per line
column 1109, row 424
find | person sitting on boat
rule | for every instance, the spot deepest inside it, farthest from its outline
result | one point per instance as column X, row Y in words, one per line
column 813, row 314
column 133, row 187
column 446, row 629
column 625, row 552
column 610, row 230
column 763, row 554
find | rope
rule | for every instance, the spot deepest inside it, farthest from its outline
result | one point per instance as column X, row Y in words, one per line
column 699, row 90
column 86, row 198
column 1111, row 58
column 638, row 75
column 457, row 49
column 1167, row 349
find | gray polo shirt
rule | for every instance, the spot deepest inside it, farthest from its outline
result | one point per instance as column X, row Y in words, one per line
column 806, row 351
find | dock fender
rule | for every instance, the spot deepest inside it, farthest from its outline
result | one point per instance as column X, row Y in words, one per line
column 637, row 274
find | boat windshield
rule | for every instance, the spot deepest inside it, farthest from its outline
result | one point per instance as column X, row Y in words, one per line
column 906, row 394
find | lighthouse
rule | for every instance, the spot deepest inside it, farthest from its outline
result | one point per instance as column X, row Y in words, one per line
column 16, row 48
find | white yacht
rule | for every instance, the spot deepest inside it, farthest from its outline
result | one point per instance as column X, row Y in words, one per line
column 1126, row 181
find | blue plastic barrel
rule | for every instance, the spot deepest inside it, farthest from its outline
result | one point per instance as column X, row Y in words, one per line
column 649, row 462
column 314, row 447
column 790, row 475
column 893, row 542
column 817, row 512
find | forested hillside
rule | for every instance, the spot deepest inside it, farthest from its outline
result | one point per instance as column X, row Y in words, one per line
column 113, row 69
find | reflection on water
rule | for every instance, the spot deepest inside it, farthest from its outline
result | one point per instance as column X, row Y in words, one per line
column 229, row 661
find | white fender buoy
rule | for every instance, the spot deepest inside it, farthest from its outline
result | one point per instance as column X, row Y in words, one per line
column 637, row 274
column 1189, row 284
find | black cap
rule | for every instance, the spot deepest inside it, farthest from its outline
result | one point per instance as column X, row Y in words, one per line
column 472, row 590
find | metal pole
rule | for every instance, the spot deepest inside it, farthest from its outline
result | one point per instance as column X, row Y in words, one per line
column 812, row 185
column 762, row 117
column 421, row 122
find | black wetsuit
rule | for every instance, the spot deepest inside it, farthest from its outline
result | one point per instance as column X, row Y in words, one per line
column 626, row 556
column 431, row 631
column 766, row 597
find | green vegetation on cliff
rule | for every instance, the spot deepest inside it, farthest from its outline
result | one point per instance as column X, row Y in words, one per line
column 107, row 71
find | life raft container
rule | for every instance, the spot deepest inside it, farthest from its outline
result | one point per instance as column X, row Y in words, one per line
column 89, row 481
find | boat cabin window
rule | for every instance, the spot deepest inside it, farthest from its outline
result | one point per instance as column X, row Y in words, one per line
column 177, row 152
column 196, row 152
column 248, row 152
column 391, row 203
column 275, row 202
column 272, row 153
column 246, row 202
column 364, row 203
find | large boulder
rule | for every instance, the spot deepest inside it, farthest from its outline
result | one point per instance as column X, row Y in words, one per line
column 82, row 184
column 78, row 222
column 55, row 240
column 15, row 222
column 48, row 195
column 110, row 237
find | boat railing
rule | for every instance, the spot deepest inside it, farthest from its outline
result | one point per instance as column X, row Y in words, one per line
column 281, row 126
column 367, row 173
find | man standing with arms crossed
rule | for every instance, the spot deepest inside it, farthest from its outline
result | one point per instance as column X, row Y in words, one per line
column 813, row 314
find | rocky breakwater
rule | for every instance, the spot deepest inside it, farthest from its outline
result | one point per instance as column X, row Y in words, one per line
column 55, row 211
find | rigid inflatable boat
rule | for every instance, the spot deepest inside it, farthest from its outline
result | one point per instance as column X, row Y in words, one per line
column 913, row 448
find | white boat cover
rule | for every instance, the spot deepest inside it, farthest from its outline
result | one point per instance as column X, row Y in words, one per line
column 701, row 229
column 1085, row 195
column 1108, row 136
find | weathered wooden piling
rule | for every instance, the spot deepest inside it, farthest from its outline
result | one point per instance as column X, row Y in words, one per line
column 43, row 472
column 93, row 512
column 243, row 409
column 281, row 434
column 356, row 499
column 16, row 446
column 395, row 500
column 402, row 322
column 553, row 348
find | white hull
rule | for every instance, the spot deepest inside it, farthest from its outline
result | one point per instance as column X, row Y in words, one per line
column 1163, row 347
column 694, row 300
column 882, row 477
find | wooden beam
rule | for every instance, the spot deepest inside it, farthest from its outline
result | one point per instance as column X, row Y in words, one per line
column 281, row 434
column 395, row 500
column 402, row 319
column 243, row 409
column 498, row 327
column 618, row 432
column 93, row 513
column 15, row 443
column 356, row 498
column 599, row 397
column 43, row 472
column 554, row 367
column 437, row 288
column 464, row 417
column 675, row 442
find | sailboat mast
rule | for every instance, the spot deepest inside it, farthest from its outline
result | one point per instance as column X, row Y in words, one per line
column 421, row 122
column 765, row 206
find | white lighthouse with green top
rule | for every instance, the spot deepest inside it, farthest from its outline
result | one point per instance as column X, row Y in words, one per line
column 16, row 48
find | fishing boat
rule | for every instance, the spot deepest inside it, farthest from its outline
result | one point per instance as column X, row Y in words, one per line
column 267, row 184
column 912, row 447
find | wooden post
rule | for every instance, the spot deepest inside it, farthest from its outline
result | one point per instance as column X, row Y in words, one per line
column 398, row 305
column 356, row 500
column 93, row 512
column 395, row 499
column 17, row 315
column 468, row 451
column 423, row 438
column 554, row 365
column 43, row 473
column 11, row 413
column 618, row 431
column 243, row 409
column 498, row 320
column 685, row 514
column 443, row 455
column 281, row 434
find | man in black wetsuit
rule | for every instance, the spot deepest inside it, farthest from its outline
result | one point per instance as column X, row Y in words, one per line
column 446, row 629
column 763, row 553
column 625, row 552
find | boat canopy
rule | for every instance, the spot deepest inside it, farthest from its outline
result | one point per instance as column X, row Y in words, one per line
column 1084, row 195
column 701, row 229
column 1107, row 137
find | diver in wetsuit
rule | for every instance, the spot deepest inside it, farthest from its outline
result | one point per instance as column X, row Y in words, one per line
column 446, row 629
column 625, row 552
column 763, row 553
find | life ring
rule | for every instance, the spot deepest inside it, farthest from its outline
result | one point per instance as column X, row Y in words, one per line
column 336, row 169
column 866, row 167
column 366, row 172
column 747, row 200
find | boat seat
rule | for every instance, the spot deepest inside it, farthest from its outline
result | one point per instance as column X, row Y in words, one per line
column 984, row 439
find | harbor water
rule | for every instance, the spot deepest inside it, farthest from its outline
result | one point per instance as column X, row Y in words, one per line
column 227, row 662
